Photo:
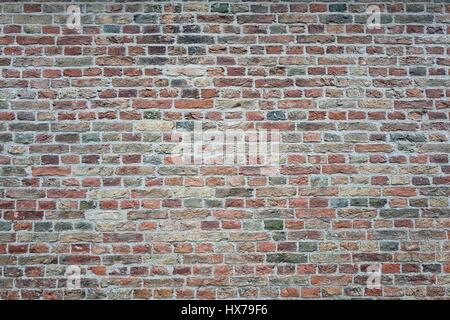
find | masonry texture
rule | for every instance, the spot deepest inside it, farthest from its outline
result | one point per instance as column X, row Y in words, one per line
column 87, row 179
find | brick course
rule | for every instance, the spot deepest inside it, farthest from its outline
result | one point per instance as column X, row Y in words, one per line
column 86, row 176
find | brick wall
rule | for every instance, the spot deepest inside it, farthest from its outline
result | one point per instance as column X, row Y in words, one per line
column 89, row 184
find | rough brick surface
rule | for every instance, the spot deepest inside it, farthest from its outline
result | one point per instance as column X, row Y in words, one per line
column 86, row 179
